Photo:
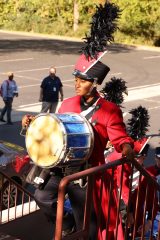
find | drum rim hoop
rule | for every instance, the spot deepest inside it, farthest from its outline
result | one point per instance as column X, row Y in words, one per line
column 64, row 139
column 64, row 133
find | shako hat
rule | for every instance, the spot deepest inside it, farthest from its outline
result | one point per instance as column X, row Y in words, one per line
column 91, row 69
column 103, row 25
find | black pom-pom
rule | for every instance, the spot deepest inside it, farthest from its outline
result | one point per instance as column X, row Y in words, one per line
column 114, row 90
column 139, row 122
column 103, row 25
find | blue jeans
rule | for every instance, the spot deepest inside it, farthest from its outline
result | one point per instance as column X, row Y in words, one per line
column 7, row 108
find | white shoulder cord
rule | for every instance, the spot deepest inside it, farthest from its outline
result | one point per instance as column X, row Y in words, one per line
column 84, row 113
column 89, row 110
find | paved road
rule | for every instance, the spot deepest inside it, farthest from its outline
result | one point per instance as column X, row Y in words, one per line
column 30, row 56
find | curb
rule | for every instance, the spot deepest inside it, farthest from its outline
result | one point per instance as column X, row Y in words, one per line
column 41, row 35
column 148, row 48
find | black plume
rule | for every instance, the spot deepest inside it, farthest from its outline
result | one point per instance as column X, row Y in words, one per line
column 114, row 89
column 103, row 25
column 139, row 123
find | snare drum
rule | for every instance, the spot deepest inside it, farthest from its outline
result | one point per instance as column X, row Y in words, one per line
column 59, row 139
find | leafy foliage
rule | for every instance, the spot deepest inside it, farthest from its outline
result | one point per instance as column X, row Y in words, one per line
column 139, row 19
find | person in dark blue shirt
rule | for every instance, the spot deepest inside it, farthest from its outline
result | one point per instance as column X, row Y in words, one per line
column 51, row 87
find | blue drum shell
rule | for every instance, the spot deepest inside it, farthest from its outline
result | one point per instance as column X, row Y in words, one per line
column 78, row 136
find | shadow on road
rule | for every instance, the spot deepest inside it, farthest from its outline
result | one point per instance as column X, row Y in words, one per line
column 51, row 45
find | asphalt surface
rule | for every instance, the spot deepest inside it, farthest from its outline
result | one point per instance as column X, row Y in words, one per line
column 30, row 56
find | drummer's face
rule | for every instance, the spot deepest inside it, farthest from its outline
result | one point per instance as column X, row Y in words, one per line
column 82, row 87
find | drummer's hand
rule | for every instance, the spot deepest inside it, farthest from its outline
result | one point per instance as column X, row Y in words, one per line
column 127, row 151
column 109, row 144
column 26, row 120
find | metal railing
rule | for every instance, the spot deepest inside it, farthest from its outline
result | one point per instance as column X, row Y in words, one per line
column 15, row 201
column 117, row 172
column 124, row 167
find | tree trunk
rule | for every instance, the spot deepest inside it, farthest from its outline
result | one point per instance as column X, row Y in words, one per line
column 76, row 16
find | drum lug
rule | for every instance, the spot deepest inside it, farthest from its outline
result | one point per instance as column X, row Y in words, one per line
column 69, row 155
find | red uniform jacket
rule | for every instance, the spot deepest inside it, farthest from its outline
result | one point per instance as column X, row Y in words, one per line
column 153, row 171
column 126, row 175
column 109, row 126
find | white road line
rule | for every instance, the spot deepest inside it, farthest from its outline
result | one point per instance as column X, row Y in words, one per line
column 68, row 85
column 41, row 69
column 24, row 77
column 153, row 108
column 30, row 105
column 151, row 57
column 16, row 60
column 28, row 86
column 152, row 101
column 113, row 74
column 35, row 85
column 69, row 80
column 64, row 81
column 35, row 108
column 149, row 109
column 144, row 86
column 145, row 92
column 133, row 95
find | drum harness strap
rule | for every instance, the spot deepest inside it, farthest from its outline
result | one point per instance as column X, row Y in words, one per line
column 44, row 174
column 88, row 113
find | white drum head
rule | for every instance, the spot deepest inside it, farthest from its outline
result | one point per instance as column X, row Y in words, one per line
column 44, row 141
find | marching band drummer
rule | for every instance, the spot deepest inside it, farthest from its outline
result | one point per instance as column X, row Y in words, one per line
column 107, row 121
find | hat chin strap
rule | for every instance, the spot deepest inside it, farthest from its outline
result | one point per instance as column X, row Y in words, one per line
column 93, row 86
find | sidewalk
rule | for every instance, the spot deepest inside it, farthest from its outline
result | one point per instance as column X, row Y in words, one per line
column 31, row 227
column 18, row 113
